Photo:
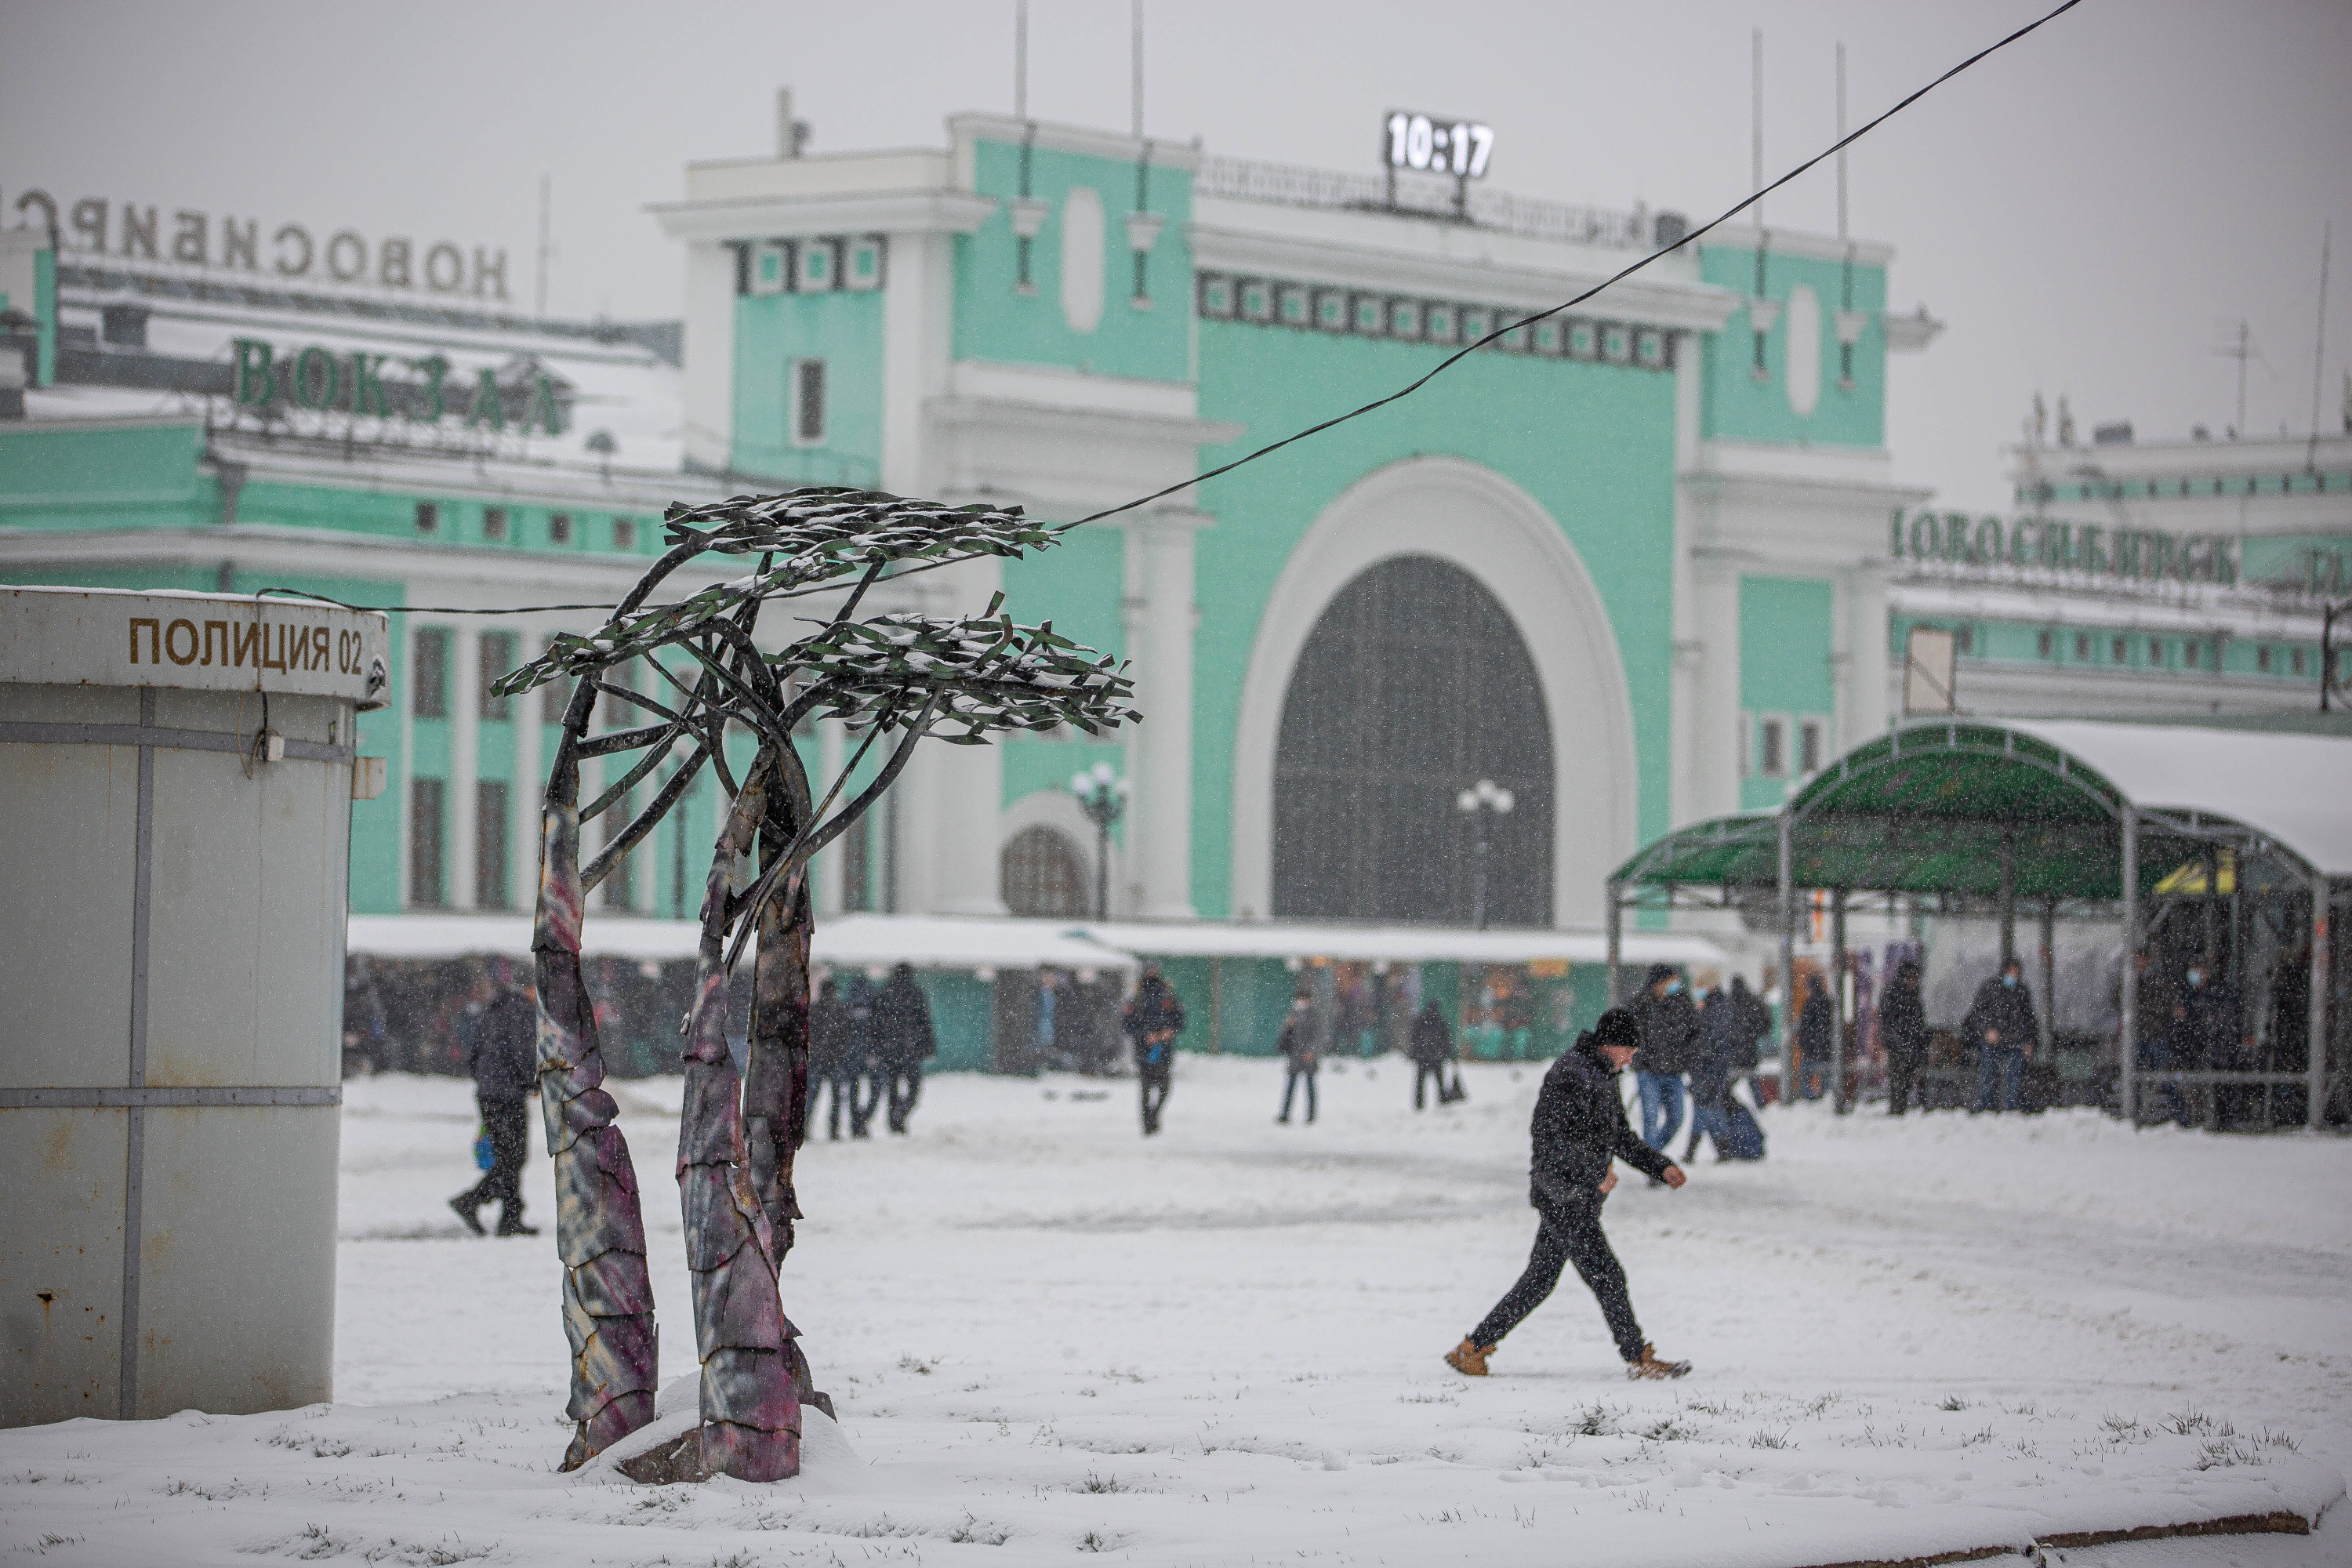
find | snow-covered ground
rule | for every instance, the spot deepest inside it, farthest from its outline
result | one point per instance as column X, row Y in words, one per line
column 1048, row 1336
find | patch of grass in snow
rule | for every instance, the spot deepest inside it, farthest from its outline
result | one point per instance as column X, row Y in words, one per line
column 1673, row 1429
column 1096, row 1483
column 1427, row 1399
column 916, row 1364
column 2187, row 1423
column 1973, row 1438
column 1595, row 1421
column 1094, row 1540
column 1770, row 1439
column 1952, row 1402
column 48, row 1540
column 2124, row 1429
column 316, row 1446
column 216, row 1491
column 971, row 1532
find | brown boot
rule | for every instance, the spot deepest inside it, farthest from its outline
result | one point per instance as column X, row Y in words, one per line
column 1650, row 1366
column 1469, row 1359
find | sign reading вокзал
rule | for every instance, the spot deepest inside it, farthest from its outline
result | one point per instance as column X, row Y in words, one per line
column 194, row 642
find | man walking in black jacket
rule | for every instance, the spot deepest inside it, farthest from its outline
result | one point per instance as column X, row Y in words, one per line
column 2002, row 1026
column 504, row 1056
column 903, row 1042
column 1669, row 1044
column 1578, row 1130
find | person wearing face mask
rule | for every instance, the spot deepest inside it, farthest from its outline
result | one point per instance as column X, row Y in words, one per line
column 2002, row 1028
column 1669, row 1027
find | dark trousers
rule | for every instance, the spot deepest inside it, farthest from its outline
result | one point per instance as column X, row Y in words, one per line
column 1998, row 1068
column 1902, row 1077
column 1423, row 1074
column 1155, row 1096
column 843, row 1106
column 508, row 1124
column 1290, row 1082
column 864, row 1095
column 906, row 1086
column 1566, row 1236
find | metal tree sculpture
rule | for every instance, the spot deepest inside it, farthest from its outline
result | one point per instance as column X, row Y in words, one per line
column 960, row 678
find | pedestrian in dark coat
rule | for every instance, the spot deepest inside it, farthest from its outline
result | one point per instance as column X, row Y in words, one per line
column 1578, row 1130
column 1669, row 1027
column 1814, row 1027
column 1903, row 1030
column 1151, row 1020
column 903, row 1042
column 2001, row 1027
column 1712, row 1072
column 833, row 1036
column 1297, row 1043
column 1432, row 1047
column 503, row 1055
column 866, row 1077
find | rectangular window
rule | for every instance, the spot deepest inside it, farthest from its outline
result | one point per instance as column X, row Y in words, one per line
column 1746, row 744
column 428, row 517
column 2083, row 648
column 1772, row 747
column 620, row 883
column 2192, row 654
column 497, row 657
column 1965, row 640
column 2118, row 650
column 494, row 522
column 1812, row 745
column 2045, row 644
column 554, row 698
column 490, row 845
column 2263, row 660
column 559, row 528
column 2296, row 661
column 429, row 682
column 625, row 533
column 808, row 402
column 2155, row 653
column 424, row 842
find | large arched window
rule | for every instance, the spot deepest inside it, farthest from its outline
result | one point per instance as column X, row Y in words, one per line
column 1041, row 872
column 1413, row 685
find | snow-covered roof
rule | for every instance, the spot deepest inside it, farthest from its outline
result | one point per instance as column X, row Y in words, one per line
column 955, row 942
column 2296, row 788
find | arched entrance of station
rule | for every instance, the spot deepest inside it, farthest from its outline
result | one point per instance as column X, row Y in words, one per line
column 1041, row 872
column 1413, row 685
column 1383, row 581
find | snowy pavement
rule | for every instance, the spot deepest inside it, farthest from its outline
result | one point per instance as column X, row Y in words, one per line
column 1047, row 1336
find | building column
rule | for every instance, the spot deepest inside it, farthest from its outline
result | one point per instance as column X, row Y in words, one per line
column 1862, row 708
column 708, row 375
column 465, row 706
column 530, row 787
column 1160, row 616
column 825, row 870
column 949, row 798
column 1685, row 796
column 1715, row 754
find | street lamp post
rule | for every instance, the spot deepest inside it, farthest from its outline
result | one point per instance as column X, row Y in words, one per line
column 1102, row 795
column 1482, row 802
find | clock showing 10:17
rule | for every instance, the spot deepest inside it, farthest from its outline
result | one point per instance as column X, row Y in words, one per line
column 1438, row 144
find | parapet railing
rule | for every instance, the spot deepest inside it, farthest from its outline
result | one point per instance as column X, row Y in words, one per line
column 1420, row 195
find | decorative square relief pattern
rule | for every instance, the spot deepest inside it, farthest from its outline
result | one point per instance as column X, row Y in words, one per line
column 1310, row 307
column 819, row 264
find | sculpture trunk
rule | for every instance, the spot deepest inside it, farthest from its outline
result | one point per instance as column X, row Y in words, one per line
column 752, row 1371
column 600, row 1233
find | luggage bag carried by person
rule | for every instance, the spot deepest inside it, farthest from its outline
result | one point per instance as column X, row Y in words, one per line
column 1741, row 1138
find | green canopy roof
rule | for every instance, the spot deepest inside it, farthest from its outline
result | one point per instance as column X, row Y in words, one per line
column 1936, row 808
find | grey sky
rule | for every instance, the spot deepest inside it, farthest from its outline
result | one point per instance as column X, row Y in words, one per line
column 2086, row 211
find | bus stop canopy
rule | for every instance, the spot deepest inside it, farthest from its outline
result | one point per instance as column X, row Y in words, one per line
column 2072, row 812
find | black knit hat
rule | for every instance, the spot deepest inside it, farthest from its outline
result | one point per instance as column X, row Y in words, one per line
column 1659, row 972
column 1617, row 1027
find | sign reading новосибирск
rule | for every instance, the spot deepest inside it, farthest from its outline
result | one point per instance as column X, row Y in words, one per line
column 129, row 232
column 2053, row 544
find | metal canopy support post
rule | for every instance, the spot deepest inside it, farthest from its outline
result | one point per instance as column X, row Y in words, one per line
column 2315, row 1068
column 2127, row 992
column 1841, row 1002
column 2008, row 896
column 1788, row 966
column 2049, row 974
column 1616, row 940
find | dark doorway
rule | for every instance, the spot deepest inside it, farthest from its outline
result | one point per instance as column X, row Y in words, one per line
column 1414, row 686
column 1040, row 872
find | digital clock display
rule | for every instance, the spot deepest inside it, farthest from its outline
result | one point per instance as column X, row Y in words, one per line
column 1439, row 146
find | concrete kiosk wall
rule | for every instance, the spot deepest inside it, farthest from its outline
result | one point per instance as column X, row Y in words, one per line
column 176, row 774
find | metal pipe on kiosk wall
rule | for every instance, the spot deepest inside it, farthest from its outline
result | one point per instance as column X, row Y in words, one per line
column 2127, row 992
column 1616, row 940
column 2049, row 973
column 2008, row 896
column 1787, row 965
column 2315, row 1068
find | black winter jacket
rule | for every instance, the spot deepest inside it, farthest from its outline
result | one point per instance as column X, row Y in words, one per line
column 902, row 1025
column 1669, row 1033
column 1903, row 1025
column 1578, row 1127
column 504, row 1050
column 1432, row 1042
column 2008, row 1008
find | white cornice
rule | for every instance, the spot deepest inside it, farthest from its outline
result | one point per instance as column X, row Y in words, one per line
column 1354, row 263
column 1052, row 386
column 1083, row 139
column 878, row 211
column 1073, row 424
column 424, row 474
column 1840, row 476
column 1798, row 243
